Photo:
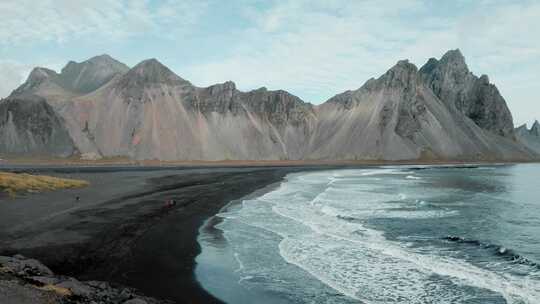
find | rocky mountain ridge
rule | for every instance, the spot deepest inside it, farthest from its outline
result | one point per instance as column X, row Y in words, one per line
column 453, row 83
column 529, row 137
column 75, row 79
column 398, row 116
column 440, row 111
column 30, row 126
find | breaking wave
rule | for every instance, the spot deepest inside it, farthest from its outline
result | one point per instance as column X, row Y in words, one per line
column 322, row 224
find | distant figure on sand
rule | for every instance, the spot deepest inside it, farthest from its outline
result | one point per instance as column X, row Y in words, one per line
column 77, row 198
column 170, row 203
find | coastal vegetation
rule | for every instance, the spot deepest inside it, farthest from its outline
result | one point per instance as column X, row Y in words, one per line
column 16, row 183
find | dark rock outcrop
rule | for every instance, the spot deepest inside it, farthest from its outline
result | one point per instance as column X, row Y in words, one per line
column 278, row 107
column 24, row 280
column 29, row 126
column 453, row 83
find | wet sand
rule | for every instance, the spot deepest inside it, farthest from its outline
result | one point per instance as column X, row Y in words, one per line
column 121, row 231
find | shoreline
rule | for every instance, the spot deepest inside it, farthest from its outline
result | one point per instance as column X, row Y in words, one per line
column 61, row 163
column 154, row 250
column 192, row 291
column 130, row 239
column 208, row 230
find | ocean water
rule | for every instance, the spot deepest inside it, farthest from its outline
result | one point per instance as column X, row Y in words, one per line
column 381, row 235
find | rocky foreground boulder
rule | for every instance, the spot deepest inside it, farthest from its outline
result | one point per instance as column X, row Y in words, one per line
column 441, row 111
column 27, row 281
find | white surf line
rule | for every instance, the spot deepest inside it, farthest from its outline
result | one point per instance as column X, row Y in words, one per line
column 240, row 264
column 502, row 284
column 482, row 278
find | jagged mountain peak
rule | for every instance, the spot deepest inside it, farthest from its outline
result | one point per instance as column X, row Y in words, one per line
column 452, row 82
column 38, row 74
column 220, row 91
column 74, row 79
column 403, row 67
column 522, row 127
column 101, row 58
column 452, row 62
column 102, row 61
column 535, row 129
column 41, row 72
column 455, row 59
column 403, row 73
column 529, row 137
column 225, row 86
column 150, row 64
column 230, row 84
column 453, row 55
column 147, row 74
column 152, row 71
column 91, row 74
column 36, row 78
column 430, row 65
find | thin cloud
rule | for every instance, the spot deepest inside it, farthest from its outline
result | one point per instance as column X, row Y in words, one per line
column 28, row 21
column 316, row 49
column 11, row 75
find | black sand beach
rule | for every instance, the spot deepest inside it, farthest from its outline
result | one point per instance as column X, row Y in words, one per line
column 121, row 231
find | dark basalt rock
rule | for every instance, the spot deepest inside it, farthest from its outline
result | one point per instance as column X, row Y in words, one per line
column 279, row 107
column 451, row 81
column 30, row 126
column 35, row 282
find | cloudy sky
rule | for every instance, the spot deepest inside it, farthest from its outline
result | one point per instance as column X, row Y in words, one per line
column 314, row 49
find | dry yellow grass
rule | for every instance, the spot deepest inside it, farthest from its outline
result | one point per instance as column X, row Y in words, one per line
column 56, row 289
column 14, row 183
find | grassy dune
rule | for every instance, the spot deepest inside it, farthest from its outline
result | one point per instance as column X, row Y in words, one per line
column 13, row 183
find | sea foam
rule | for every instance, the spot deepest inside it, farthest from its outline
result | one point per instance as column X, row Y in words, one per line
column 321, row 219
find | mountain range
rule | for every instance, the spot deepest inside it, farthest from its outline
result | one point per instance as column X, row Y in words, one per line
column 102, row 108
